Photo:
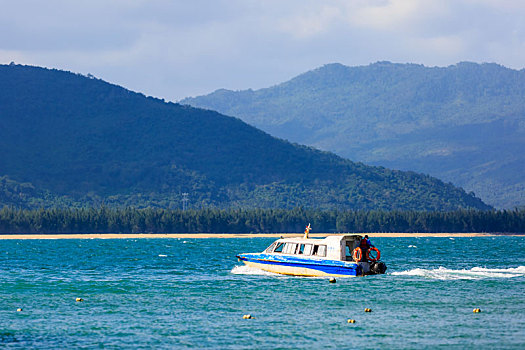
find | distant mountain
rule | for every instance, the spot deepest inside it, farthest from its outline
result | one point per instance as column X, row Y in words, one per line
column 464, row 123
column 70, row 140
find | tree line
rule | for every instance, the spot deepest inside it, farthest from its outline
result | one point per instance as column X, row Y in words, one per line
column 212, row 220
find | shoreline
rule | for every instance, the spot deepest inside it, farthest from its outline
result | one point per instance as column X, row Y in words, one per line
column 233, row 235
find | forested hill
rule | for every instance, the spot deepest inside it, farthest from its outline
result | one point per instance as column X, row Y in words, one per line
column 71, row 140
column 464, row 123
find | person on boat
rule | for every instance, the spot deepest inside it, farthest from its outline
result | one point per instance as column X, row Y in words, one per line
column 365, row 244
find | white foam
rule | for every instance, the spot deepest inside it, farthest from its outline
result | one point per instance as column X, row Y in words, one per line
column 518, row 270
column 412, row 246
column 442, row 273
column 248, row 270
column 162, row 255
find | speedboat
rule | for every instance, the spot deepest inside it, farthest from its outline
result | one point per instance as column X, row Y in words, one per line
column 335, row 255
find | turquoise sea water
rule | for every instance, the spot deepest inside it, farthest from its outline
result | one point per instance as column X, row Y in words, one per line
column 192, row 293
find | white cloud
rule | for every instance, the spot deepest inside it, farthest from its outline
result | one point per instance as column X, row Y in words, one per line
column 174, row 49
column 311, row 21
column 384, row 15
column 446, row 47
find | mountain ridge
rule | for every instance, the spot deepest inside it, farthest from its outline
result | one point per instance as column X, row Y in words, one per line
column 402, row 116
column 80, row 141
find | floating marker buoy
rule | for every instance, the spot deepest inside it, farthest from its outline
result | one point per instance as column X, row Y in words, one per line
column 476, row 310
column 332, row 280
column 368, row 310
column 79, row 299
column 19, row 309
column 248, row 317
column 351, row 321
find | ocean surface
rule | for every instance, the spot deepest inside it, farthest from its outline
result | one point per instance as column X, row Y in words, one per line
column 193, row 293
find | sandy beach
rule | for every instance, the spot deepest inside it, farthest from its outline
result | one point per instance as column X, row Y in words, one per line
column 227, row 235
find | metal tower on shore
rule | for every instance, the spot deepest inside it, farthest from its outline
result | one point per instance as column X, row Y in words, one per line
column 185, row 201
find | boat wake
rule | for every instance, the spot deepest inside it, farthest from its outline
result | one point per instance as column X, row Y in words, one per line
column 247, row 270
column 475, row 273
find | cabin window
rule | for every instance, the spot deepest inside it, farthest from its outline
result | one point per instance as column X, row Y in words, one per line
column 290, row 248
column 319, row 250
column 300, row 250
column 348, row 253
column 322, row 250
column 279, row 248
column 308, row 249
column 270, row 248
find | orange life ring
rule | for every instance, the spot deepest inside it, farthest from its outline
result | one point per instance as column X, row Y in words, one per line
column 377, row 256
column 357, row 254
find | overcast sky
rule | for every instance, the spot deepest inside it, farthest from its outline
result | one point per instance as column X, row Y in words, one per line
column 173, row 49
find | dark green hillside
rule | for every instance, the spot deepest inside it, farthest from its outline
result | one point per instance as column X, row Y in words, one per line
column 82, row 141
column 463, row 123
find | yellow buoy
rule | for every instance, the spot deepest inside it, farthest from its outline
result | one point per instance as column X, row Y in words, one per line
column 79, row 299
column 368, row 310
column 351, row 321
column 19, row 309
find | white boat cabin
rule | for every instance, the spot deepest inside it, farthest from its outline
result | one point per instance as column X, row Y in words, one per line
column 330, row 248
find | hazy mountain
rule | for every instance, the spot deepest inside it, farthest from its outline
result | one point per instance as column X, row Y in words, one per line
column 463, row 123
column 66, row 139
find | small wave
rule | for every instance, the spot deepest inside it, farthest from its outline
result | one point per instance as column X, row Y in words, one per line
column 247, row 270
column 475, row 273
column 162, row 255
column 412, row 246
column 519, row 270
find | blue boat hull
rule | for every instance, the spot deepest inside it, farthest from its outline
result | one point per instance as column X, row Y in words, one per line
column 298, row 266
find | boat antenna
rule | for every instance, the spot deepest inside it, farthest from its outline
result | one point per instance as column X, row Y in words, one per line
column 307, row 231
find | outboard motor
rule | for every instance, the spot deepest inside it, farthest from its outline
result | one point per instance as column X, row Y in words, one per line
column 377, row 267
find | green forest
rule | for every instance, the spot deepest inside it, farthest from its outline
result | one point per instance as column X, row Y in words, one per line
column 462, row 123
column 82, row 142
column 151, row 220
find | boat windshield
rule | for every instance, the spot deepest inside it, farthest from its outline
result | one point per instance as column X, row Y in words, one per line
column 270, row 248
column 279, row 247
